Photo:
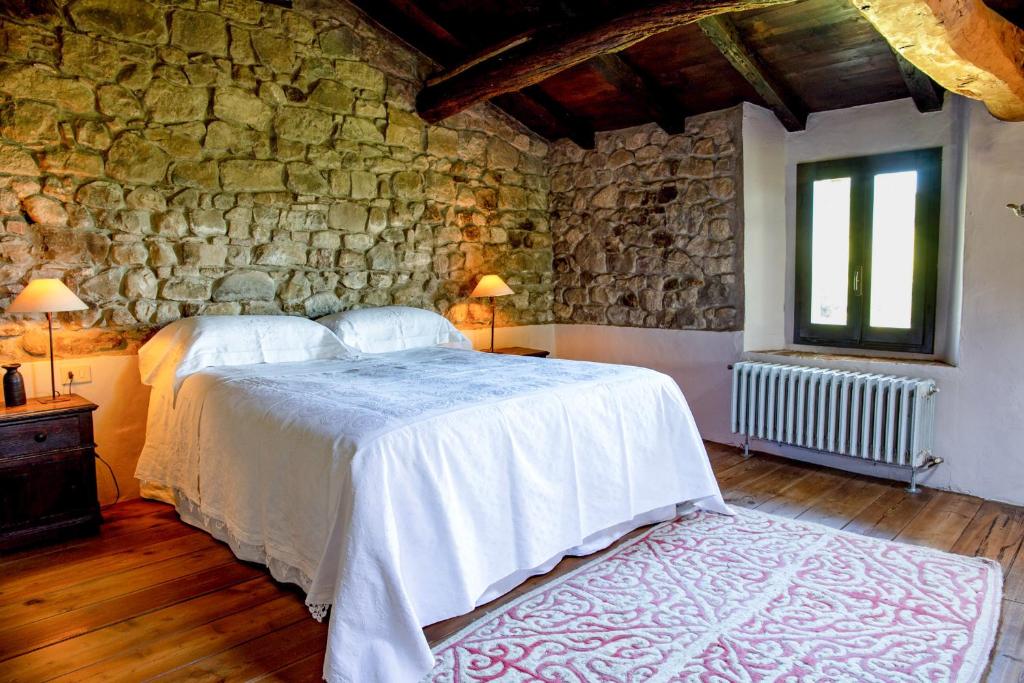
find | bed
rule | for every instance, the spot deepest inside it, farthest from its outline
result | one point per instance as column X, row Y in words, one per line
column 405, row 487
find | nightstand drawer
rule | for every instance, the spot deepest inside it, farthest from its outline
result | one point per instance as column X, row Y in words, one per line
column 40, row 436
column 51, row 487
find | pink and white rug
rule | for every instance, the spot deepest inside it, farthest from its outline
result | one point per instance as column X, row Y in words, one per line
column 747, row 598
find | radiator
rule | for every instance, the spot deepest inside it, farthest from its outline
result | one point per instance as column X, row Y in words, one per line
column 881, row 418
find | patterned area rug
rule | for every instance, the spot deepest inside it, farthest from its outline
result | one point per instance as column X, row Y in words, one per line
column 747, row 598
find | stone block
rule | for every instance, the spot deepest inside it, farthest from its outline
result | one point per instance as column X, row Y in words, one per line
column 362, row 76
column 102, row 287
column 203, row 255
column 501, row 155
column 239, row 106
column 442, row 142
column 48, row 85
column 199, row 32
column 140, row 283
column 202, row 175
column 30, row 123
column 274, row 51
column 207, row 223
column 134, row 160
column 306, row 179
column 303, row 125
column 404, row 130
column 332, row 96
column 42, row 209
column 169, row 102
column 358, row 242
column 73, row 162
column 128, row 253
column 186, row 288
column 364, row 185
column 16, row 161
column 407, row 185
column 133, row 20
column 119, row 102
column 361, row 130
column 281, row 254
column 252, row 176
column 101, row 195
column 347, row 216
column 162, row 254
column 339, row 43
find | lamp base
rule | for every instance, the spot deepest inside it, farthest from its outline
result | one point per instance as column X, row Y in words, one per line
column 50, row 399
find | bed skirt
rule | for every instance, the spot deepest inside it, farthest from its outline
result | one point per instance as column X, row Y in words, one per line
column 190, row 513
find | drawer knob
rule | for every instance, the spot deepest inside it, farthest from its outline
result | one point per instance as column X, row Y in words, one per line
column 40, row 437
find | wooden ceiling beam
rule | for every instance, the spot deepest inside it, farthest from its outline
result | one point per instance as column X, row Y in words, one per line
column 789, row 109
column 409, row 22
column 555, row 48
column 537, row 104
column 650, row 96
column 926, row 93
column 962, row 45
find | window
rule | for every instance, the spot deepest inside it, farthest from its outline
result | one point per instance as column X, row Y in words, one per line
column 867, row 251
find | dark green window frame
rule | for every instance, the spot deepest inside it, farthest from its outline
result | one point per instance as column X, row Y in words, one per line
column 857, row 334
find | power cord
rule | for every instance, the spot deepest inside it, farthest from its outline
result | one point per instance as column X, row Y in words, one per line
column 117, row 488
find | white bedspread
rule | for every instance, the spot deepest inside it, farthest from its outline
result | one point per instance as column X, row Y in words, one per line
column 400, row 487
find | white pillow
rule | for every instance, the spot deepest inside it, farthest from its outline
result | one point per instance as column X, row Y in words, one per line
column 393, row 328
column 189, row 345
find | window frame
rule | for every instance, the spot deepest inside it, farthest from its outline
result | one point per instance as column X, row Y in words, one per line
column 857, row 334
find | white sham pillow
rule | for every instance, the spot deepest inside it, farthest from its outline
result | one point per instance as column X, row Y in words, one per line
column 393, row 328
column 191, row 344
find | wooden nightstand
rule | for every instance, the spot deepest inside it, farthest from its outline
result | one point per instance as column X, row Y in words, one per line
column 47, row 472
column 523, row 351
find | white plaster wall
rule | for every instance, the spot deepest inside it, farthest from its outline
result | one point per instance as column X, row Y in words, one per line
column 764, row 243
column 119, row 424
column 532, row 336
column 987, row 429
column 697, row 360
column 980, row 409
column 894, row 126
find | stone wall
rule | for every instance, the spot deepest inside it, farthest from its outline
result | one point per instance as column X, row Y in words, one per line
column 648, row 227
column 178, row 157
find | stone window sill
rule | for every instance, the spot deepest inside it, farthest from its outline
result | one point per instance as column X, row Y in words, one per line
column 796, row 355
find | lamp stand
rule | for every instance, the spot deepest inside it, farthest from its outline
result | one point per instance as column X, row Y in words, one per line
column 54, row 398
column 494, row 309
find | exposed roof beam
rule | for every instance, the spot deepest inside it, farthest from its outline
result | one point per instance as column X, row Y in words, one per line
column 963, row 45
column 576, row 129
column 406, row 20
column 552, row 49
column 628, row 81
column 786, row 105
column 927, row 94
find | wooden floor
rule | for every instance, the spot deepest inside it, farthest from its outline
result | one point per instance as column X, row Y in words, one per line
column 152, row 598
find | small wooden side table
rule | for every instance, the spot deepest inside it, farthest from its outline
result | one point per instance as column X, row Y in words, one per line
column 523, row 351
column 47, row 472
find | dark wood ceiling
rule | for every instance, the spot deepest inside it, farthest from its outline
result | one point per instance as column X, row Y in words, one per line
column 796, row 58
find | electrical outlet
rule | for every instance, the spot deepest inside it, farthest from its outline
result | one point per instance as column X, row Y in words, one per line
column 82, row 373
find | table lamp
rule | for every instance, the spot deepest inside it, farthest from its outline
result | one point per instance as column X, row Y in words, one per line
column 47, row 295
column 491, row 286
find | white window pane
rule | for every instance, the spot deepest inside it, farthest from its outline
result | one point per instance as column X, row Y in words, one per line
column 892, row 250
column 830, row 251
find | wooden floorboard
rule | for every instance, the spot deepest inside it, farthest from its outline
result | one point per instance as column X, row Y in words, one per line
column 151, row 598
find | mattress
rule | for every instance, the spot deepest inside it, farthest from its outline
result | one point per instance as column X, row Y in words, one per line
column 402, row 489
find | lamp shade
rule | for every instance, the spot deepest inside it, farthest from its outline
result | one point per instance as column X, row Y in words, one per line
column 46, row 295
column 491, row 285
